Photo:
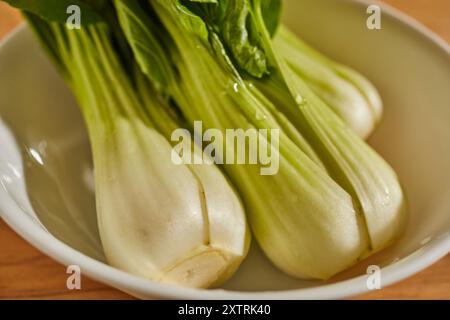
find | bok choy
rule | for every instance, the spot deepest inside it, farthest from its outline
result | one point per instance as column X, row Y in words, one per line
column 177, row 224
column 334, row 199
column 304, row 221
column 142, row 69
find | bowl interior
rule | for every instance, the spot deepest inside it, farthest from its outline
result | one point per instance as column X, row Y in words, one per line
column 410, row 70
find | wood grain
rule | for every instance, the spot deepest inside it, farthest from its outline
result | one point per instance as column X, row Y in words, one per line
column 435, row 14
column 26, row 273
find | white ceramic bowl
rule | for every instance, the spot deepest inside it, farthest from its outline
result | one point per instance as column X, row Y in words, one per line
column 46, row 192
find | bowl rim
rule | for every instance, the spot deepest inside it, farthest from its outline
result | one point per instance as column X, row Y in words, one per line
column 137, row 286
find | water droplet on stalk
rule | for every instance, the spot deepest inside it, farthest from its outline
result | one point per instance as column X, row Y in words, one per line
column 260, row 116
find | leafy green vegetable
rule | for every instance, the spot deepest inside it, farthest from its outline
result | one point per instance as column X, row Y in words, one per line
column 180, row 224
column 333, row 200
column 137, row 26
column 350, row 95
column 241, row 40
column 304, row 221
column 271, row 10
column 358, row 187
column 232, row 20
column 56, row 10
column 352, row 163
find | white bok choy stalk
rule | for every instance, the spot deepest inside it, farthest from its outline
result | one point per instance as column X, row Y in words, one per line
column 171, row 223
column 351, row 162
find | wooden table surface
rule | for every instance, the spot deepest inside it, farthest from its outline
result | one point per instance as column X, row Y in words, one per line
column 25, row 273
